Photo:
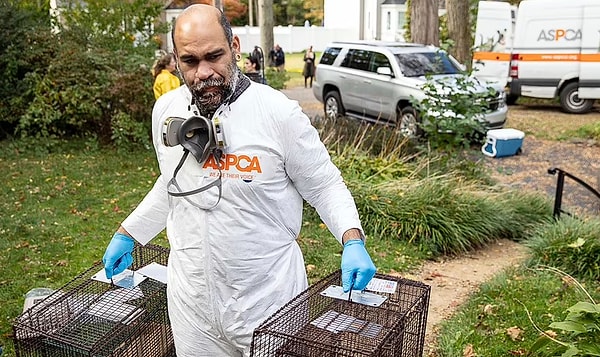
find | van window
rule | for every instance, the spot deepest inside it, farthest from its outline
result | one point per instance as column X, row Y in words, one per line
column 426, row 63
column 329, row 55
column 357, row 59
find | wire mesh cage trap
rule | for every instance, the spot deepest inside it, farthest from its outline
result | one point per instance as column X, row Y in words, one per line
column 316, row 324
column 87, row 317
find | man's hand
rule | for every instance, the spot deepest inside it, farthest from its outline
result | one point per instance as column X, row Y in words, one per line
column 117, row 256
column 357, row 267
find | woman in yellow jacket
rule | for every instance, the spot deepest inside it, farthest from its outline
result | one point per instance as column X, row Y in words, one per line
column 164, row 79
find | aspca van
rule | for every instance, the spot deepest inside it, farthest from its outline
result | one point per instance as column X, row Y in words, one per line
column 543, row 49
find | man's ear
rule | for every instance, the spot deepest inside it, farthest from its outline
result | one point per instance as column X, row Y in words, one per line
column 235, row 44
column 176, row 61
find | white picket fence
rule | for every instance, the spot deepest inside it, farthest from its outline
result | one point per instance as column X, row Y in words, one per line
column 294, row 38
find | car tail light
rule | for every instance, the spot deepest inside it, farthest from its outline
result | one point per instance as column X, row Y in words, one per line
column 514, row 66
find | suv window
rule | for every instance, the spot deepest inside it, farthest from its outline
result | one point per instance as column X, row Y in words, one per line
column 379, row 60
column 426, row 63
column 357, row 59
column 330, row 54
column 365, row 60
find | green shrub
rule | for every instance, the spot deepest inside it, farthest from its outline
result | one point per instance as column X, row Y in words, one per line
column 569, row 244
column 98, row 83
column 452, row 111
column 26, row 48
column 275, row 78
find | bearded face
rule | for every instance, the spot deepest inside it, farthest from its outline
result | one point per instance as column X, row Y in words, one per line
column 212, row 92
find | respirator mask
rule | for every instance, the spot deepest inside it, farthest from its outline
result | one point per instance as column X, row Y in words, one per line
column 202, row 138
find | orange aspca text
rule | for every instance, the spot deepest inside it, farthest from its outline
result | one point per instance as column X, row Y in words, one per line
column 242, row 163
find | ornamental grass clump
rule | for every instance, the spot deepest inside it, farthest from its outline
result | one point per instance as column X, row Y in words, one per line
column 570, row 244
column 446, row 215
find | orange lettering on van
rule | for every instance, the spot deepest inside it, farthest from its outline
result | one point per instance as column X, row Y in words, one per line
column 559, row 34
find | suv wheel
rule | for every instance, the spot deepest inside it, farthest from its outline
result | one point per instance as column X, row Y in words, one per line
column 408, row 122
column 570, row 101
column 333, row 105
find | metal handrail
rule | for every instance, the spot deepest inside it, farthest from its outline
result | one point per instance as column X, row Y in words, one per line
column 560, row 182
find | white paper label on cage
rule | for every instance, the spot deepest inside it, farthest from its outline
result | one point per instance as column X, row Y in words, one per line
column 154, row 271
column 360, row 297
column 127, row 279
column 382, row 285
column 335, row 322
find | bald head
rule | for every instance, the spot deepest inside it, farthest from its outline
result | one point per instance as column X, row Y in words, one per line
column 197, row 17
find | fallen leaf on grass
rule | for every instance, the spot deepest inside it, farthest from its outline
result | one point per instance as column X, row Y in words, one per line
column 514, row 333
column 468, row 351
column 489, row 309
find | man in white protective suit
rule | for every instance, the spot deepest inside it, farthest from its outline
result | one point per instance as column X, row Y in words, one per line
column 235, row 169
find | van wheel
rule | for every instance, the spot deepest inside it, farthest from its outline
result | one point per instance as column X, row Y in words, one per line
column 409, row 123
column 333, row 105
column 570, row 101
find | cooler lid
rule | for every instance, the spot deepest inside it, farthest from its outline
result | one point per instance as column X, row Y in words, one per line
column 505, row 134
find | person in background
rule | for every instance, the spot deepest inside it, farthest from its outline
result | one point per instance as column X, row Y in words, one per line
column 252, row 69
column 164, row 79
column 309, row 66
column 233, row 211
column 278, row 58
column 257, row 53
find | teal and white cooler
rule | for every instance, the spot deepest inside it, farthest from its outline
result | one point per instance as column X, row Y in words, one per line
column 503, row 142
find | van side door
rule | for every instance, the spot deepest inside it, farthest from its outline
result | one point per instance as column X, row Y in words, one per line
column 589, row 75
column 493, row 41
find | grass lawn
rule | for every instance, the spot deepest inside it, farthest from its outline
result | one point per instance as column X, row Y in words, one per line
column 294, row 62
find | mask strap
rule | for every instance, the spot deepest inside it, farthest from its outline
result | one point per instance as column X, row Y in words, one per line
column 179, row 193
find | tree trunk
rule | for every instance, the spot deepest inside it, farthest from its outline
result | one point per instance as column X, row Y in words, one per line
column 459, row 29
column 424, row 23
column 265, row 22
column 218, row 4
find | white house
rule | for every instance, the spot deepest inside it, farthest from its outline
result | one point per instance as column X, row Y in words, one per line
column 370, row 19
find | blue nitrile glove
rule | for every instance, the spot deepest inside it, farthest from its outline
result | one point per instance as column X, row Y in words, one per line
column 117, row 256
column 357, row 266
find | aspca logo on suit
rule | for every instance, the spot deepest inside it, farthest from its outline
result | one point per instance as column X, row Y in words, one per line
column 242, row 163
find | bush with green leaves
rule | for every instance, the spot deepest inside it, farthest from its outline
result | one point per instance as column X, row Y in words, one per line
column 452, row 111
column 571, row 245
column 26, row 48
column 275, row 78
column 98, row 81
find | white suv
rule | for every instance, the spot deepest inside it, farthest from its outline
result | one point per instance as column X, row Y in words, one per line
column 375, row 81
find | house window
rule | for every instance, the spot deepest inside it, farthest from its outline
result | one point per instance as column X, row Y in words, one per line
column 388, row 21
column 401, row 20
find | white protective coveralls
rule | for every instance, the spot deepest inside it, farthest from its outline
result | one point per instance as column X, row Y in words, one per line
column 232, row 266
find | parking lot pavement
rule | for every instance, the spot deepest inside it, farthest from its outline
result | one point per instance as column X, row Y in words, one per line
column 305, row 97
